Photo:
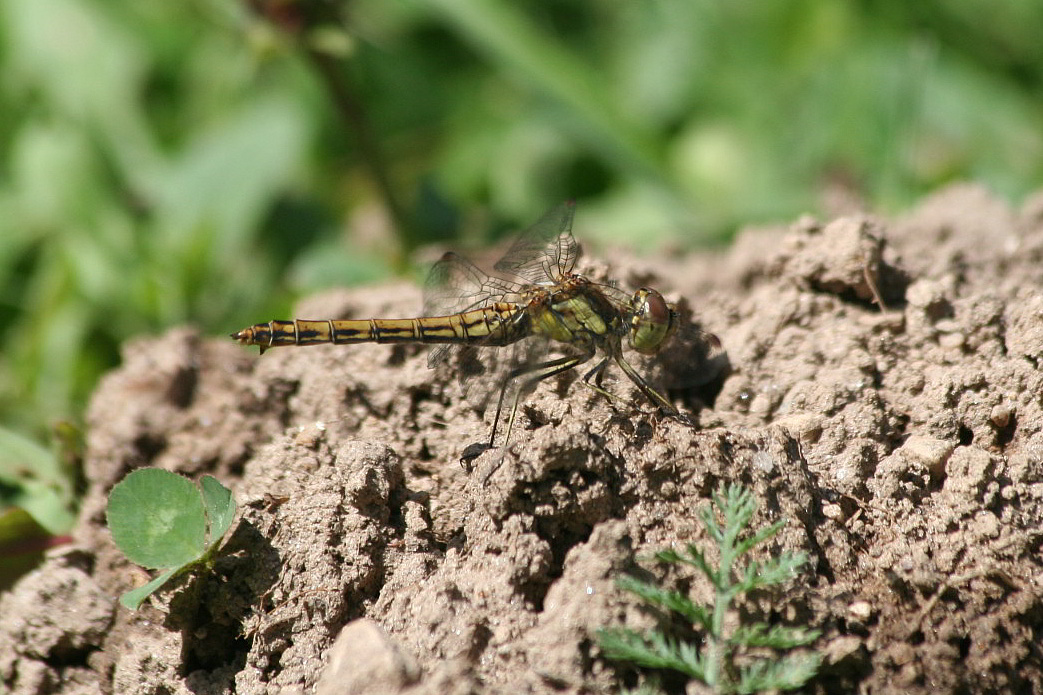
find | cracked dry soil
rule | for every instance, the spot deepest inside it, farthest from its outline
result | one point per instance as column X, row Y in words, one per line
column 904, row 443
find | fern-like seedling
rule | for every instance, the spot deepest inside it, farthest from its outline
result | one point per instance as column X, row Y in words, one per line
column 747, row 659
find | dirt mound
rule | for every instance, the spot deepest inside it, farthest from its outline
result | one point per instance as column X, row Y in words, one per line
column 885, row 396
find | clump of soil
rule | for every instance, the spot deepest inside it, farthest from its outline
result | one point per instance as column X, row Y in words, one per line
column 885, row 396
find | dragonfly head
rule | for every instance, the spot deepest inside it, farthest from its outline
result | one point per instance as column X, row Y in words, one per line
column 652, row 321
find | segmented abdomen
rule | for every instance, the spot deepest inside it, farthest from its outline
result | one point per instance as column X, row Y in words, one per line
column 493, row 325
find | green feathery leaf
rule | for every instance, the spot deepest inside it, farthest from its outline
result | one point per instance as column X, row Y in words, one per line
column 714, row 659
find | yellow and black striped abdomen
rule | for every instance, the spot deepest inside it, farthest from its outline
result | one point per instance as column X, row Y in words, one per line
column 496, row 324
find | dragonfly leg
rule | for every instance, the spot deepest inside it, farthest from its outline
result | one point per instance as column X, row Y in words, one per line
column 596, row 373
column 534, row 374
column 652, row 395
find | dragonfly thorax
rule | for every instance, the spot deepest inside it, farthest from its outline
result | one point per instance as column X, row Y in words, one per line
column 652, row 321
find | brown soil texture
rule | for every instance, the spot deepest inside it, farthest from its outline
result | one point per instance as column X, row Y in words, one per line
column 885, row 396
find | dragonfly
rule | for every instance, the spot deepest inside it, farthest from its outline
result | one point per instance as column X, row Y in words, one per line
column 534, row 291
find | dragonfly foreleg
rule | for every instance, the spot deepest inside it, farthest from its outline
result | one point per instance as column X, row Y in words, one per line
column 652, row 395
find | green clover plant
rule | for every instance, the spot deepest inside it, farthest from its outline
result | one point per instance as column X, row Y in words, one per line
column 162, row 520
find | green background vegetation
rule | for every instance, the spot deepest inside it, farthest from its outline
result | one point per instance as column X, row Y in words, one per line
column 206, row 161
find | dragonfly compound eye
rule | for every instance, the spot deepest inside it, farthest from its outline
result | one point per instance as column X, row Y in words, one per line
column 651, row 322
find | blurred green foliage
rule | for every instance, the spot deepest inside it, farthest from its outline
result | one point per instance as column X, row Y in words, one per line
column 205, row 160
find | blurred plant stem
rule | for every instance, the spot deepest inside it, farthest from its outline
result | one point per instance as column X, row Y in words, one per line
column 352, row 113
column 321, row 32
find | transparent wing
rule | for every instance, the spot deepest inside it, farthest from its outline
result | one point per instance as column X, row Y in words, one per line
column 615, row 295
column 456, row 285
column 546, row 251
column 541, row 255
column 481, row 371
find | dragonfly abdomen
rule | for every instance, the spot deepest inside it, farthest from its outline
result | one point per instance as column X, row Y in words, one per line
column 494, row 325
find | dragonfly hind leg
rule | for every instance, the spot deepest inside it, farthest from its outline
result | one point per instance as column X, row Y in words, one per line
column 533, row 375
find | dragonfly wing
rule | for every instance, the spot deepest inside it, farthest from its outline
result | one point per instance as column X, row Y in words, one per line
column 546, row 251
column 482, row 371
column 455, row 285
column 437, row 354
